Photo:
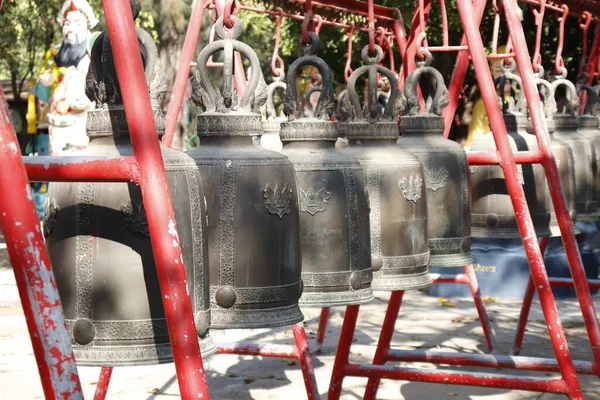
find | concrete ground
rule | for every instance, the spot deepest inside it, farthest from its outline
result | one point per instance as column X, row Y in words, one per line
column 424, row 322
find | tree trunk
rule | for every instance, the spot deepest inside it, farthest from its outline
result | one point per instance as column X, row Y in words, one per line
column 174, row 17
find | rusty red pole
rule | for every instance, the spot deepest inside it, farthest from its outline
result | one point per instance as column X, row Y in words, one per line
column 82, row 169
column 157, row 201
column 582, row 288
column 103, row 382
column 187, row 55
column 530, row 242
column 323, row 319
column 33, row 273
column 409, row 64
column 343, row 352
column 486, row 325
column 460, row 72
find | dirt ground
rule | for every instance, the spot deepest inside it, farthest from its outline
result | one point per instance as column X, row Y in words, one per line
column 424, row 322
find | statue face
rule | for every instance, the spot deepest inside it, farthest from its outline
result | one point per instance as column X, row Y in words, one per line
column 75, row 27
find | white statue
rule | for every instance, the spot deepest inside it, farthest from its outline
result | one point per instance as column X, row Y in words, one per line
column 68, row 103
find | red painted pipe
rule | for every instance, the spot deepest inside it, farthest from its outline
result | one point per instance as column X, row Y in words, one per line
column 82, row 169
column 566, row 225
column 264, row 350
column 568, row 282
column 303, row 355
column 385, row 339
column 103, row 382
column 460, row 278
column 449, row 377
column 484, row 319
column 530, row 242
column 187, row 55
column 343, row 352
column 33, row 273
column 460, row 72
column 409, row 64
column 491, row 158
column 323, row 319
column 485, row 361
column 157, row 201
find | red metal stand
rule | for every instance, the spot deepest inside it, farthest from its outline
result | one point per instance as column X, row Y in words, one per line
column 33, row 273
column 300, row 351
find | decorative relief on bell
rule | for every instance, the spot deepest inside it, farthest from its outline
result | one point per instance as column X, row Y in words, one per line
column 253, row 215
column 334, row 224
column 436, row 178
column 412, row 188
column 313, row 201
column 50, row 210
column 395, row 181
column 278, row 199
column 446, row 172
column 135, row 218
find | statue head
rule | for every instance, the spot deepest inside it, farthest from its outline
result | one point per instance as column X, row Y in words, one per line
column 76, row 18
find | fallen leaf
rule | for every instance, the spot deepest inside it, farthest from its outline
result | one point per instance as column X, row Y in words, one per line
column 267, row 377
column 452, row 394
column 488, row 299
column 233, row 375
column 155, row 391
column 248, row 380
column 465, row 320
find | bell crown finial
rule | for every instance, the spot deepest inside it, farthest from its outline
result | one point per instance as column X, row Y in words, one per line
column 591, row 105
column 226, row 100
column 409, row 100
column 370, row 111
column 292, row 107
column 573, row 106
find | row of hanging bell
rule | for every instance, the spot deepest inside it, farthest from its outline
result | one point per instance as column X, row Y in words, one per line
column 585, row 169
column 493, row 214
column 253, row 212
column 563, row 155
column 98, row 240
column 334, row 211
column 589, row 126
column 395, row 181
column 446, row 175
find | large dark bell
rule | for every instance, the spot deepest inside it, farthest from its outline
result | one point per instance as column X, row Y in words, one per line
column 563, row 156
column 492, row 211
column 583, row 153
column 253, row 216
column 98, row 239
column 395, row 182
column 446, row 172
column 334, row 211
column 589, row 126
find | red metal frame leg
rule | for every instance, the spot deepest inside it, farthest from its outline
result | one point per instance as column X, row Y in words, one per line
column 103, row 382
column 385, row 339
column 526, row 307
column 305, row 361
column 33, row 273
column 488, row 330
column 187, row 55
column 343, row 352
column 536, row 262
column 323, row 319
column 157, row 201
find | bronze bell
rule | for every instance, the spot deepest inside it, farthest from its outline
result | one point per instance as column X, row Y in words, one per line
column 98, row 239
column 562, row 154
column 253, row 216
column 272, row 124
column 334, row 211
column 446, row 171
column 395, row 182
column 583, row 152
column 589, row 126
column 492, row 211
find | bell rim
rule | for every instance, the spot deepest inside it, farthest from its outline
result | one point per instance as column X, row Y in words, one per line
column 450, row 260
column 108, row 122
column 398, row 282
column 233, row 124
column 506, row 232
column 365, row 130
column 207, row 347
column 342, row 298
column 258, row 318
column 308, row 129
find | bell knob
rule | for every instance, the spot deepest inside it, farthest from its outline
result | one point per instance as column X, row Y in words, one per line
column 356, row 279
column 84, row 331
column 226, row 297
column 376, row 263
